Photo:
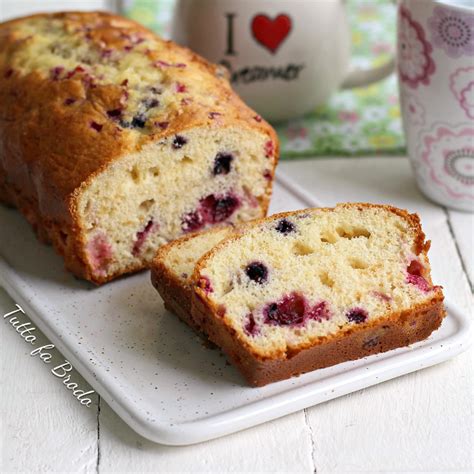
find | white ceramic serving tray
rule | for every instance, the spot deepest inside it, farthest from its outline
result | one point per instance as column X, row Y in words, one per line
column 153, row 370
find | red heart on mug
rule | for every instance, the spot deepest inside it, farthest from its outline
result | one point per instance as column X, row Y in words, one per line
column 271, row 33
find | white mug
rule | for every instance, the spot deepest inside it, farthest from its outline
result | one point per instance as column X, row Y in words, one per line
column 436, row 80
column 285, row 56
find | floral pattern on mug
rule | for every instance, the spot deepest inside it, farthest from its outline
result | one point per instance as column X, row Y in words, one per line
column 461, row 83
column 449, row 155
column 414, row 52
column 413, row 109
column 453, row 32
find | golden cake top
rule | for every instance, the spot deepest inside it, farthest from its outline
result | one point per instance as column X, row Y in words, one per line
column 137, row 80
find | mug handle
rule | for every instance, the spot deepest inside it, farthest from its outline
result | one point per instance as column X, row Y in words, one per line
column 364, row 77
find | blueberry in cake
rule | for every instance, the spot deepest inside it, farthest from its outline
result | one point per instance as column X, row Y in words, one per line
column 114, row 141
column 309, row 289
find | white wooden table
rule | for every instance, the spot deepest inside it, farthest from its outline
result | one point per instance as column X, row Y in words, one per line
column 420, row 422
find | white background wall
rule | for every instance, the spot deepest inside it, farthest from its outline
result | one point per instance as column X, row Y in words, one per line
column 13, row 8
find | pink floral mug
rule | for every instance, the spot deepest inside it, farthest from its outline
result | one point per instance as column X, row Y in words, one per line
column 436, row 81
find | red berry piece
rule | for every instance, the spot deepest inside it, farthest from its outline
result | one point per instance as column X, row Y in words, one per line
column 319, row 312
column 251, row 328
column 96, row 126
column 269, row 149
column 192, row 221
column 382, row 296
column 267, row 174
column 142, row 236
column 100, row 252
column 289, row 311
column 212, row 210
column 162, row 125
column 415, row 277
column 415, row 268
column 217, row 209
column 205, row 284
column 56, row 72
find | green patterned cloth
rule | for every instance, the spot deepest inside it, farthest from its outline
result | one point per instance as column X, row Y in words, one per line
column 154, row 14
column 355, row 122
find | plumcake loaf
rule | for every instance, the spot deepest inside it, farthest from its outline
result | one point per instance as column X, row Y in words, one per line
column 309, row 289
column 114, row 141
column 173, row 267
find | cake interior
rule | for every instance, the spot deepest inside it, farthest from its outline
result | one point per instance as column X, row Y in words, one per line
column 181, row 257
column 140, row 202
column 291, row 280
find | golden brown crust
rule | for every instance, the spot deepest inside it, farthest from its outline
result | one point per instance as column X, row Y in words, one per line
column 48, row 152
column 399, row 330
column 176, row 295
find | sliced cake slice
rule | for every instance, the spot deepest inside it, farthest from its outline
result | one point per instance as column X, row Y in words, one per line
column 173, row 267
column 312, row 288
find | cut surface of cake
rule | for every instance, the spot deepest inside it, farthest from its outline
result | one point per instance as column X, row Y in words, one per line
column 173, row 267
column 114, row 141
column 312, row 288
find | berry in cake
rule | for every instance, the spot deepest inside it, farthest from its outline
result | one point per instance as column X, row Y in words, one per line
column 251, row 327
column 289, row 311
column 142, row 236
column 138, row 121
column 415, row 275
column 257, row 272
column 319, row 311
column 100, row 252
column 97, row 126
column 284, row 226
column 179, row 141
column 211, row 210
column 357, row 315
column 222, row 163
